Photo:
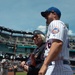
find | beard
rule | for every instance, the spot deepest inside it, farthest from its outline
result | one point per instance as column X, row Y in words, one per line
column 49, row 20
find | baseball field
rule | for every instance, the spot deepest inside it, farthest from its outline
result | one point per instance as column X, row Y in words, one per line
column 17, row 73
column 22, row 73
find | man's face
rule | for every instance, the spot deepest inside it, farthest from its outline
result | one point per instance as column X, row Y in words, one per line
column 37, row 39
column 49, row 18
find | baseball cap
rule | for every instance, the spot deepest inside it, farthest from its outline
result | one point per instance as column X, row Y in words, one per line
column 35, row 32
column 4, row 60
column 51, row 9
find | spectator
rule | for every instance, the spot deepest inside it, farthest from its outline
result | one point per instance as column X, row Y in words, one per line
column 33, row 65
column 5, row 65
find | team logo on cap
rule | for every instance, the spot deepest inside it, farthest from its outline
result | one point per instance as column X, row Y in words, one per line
column 55, row 30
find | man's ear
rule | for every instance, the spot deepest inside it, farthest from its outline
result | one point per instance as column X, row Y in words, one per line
column 55, row 15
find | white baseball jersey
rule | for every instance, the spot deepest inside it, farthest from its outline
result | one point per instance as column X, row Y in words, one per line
column 58, row 30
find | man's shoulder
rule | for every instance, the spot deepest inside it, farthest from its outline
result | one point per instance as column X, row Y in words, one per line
column 40, row 48
column 57, row 21
column 43, row 45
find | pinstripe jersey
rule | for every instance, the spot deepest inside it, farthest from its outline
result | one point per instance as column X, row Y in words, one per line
column 58, row 30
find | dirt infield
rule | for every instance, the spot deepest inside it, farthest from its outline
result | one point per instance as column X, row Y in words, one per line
column 10, row 73
column 17, row 73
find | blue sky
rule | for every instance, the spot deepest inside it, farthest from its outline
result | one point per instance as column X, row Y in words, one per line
column 25, row 14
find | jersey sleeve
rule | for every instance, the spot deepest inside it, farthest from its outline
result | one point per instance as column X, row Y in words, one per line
column 57, row 30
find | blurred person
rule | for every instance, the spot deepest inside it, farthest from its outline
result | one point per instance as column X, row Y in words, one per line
column 5, row 65
column 13, row 65
column 56, row 53
column 35, row 61
column 1, row 70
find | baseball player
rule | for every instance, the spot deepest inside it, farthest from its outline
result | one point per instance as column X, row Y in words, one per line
column 56, row 53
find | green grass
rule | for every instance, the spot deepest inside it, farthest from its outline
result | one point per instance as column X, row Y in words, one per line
column 21, row 73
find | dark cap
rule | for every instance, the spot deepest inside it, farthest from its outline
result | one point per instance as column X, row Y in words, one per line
column 51, row 9
column 37, row 32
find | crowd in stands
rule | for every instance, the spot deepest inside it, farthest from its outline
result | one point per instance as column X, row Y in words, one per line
column 11, row 63
column 19, row 40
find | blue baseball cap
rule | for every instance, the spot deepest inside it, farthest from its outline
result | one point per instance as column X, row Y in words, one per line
column 51, row 9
